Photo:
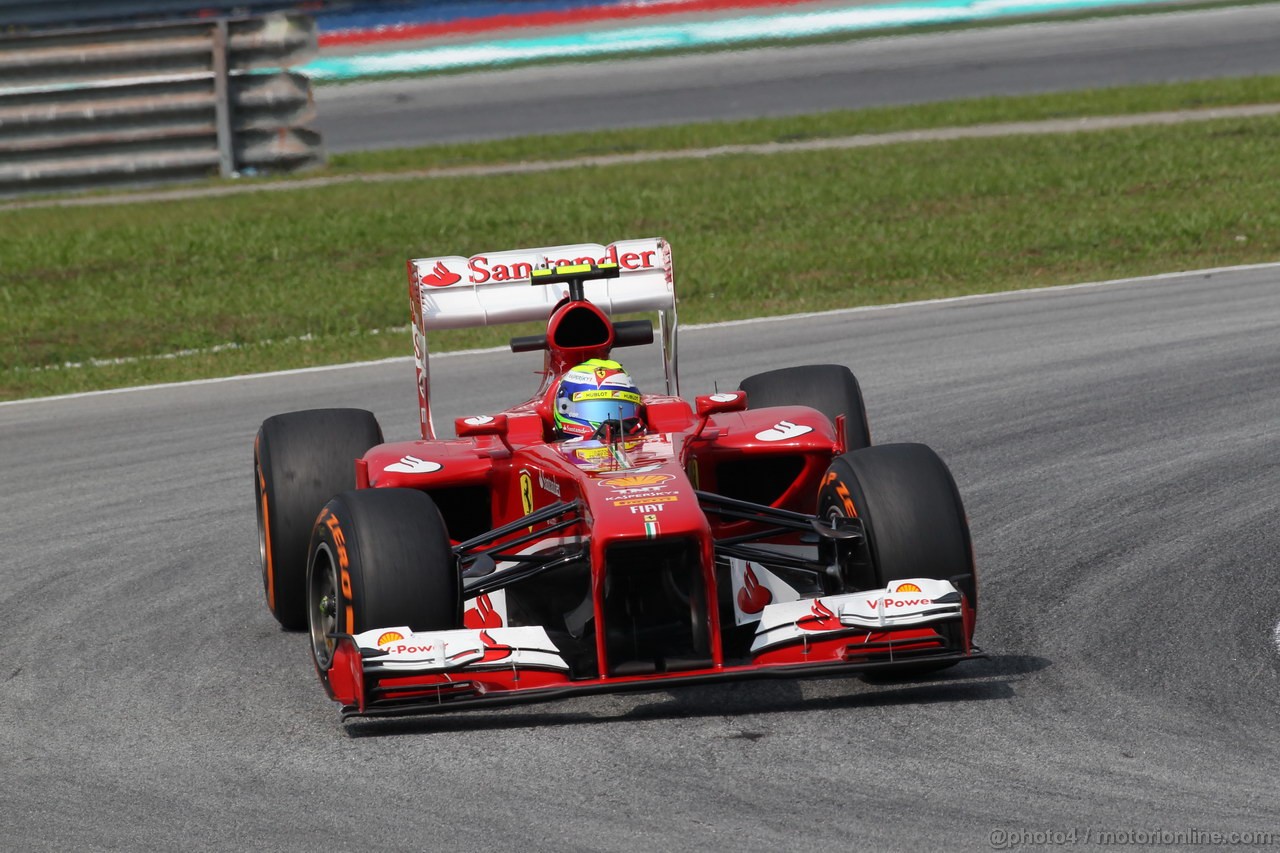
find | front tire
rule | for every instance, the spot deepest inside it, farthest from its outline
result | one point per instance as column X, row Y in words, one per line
column 830, row 388
column 379, row 558
column 911, row 510
column 300, row 460
column 915, row 523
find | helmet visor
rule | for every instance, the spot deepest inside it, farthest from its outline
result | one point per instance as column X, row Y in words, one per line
column 599, row 411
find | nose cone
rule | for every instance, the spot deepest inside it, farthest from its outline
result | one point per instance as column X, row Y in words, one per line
column 652, row 501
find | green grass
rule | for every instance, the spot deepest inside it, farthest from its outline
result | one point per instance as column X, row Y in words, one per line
column 752, row 235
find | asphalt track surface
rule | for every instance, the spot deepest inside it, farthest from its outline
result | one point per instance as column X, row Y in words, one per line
column 1116, row 449
column 786, row 81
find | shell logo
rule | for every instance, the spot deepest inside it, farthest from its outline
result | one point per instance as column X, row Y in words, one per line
column 907, row 587
column 390, row 637
column 637, row 480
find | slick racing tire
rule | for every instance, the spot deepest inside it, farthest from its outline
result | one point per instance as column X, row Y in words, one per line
column 300, row 460
column 910, row 508
column 914, row 520
column 830, row 388
column 379, row 558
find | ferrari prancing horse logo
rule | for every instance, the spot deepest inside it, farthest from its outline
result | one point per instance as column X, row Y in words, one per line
column 603, row 373
column 526, row 492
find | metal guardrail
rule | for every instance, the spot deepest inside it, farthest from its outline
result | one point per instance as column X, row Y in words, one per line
column 35, row 15
column 142, row 104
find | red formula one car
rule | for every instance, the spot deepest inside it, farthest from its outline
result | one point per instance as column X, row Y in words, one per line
column 593, row 538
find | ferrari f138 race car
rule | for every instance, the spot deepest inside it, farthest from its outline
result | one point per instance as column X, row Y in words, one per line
column 593, row 538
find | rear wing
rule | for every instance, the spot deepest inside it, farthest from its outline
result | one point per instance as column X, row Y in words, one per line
column 495, row 288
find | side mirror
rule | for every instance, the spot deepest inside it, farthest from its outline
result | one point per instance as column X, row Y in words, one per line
column 707, row 405
column 714, row 404
column 480, row 425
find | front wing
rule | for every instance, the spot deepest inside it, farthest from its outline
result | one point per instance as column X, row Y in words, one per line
column 395, row 671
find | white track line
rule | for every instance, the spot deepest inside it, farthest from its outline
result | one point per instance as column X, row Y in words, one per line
column 836, row 312
column 187, row 353
column 975, row 297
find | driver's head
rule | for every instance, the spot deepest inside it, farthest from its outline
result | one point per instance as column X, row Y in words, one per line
column 592, row 393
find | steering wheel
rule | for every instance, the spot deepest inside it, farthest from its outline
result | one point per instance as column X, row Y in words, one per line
column 613, row 428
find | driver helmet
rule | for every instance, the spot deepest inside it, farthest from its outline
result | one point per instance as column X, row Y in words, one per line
column 594, row 392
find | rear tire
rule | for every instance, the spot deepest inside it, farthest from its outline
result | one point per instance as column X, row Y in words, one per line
column 830, row 388
column 300, row 460
column 399, row 567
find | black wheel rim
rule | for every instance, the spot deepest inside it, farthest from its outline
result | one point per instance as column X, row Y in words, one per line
column 323, row 607
column 260, row 489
